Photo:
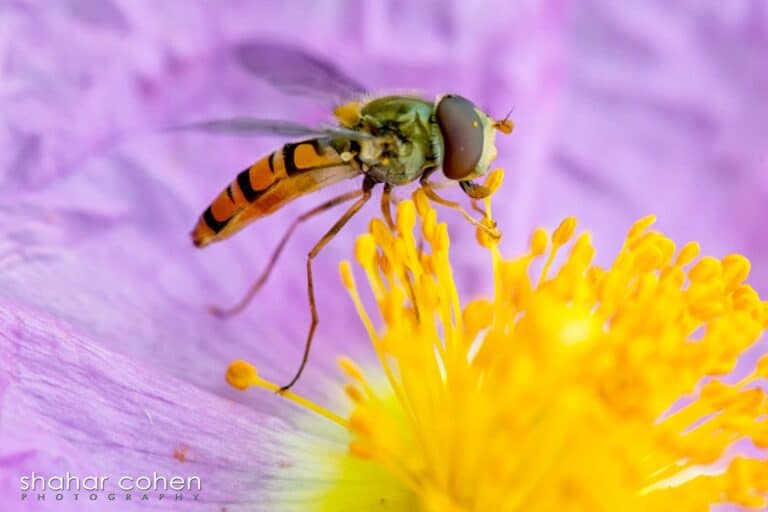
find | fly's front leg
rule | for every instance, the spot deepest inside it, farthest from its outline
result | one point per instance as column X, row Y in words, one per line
column 476, row 192
column 366, row 195
column 429, row 190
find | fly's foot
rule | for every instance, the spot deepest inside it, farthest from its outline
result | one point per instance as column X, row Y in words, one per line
column 488, row 233
column 221, row 312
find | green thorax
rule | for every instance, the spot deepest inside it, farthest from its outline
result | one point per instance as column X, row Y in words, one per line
column 406, row 138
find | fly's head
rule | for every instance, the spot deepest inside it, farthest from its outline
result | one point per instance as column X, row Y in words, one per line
column 468, row 137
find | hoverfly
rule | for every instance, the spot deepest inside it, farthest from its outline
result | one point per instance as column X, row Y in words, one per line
column 387, row 140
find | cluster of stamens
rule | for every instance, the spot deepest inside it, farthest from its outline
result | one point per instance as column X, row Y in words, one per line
column 561, row 391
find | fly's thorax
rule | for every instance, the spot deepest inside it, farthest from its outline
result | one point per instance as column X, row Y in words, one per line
column 466, row 138
column 397, row 162
column 402, row 143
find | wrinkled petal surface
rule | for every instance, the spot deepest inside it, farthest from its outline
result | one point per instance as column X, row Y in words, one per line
column 69, row 405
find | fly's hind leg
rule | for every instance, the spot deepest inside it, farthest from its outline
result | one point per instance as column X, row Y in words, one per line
column 366, row 195
column 256, row 286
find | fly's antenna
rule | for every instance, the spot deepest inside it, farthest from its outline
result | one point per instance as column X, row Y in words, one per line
column 505, row 125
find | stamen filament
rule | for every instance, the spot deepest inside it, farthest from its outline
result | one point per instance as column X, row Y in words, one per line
column 243, row 375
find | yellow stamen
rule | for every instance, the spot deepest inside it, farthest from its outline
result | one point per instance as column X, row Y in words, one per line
column 556, row 393
column 243, row 375
column 494, row 180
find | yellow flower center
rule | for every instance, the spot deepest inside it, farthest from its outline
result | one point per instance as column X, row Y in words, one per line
column 582, row 388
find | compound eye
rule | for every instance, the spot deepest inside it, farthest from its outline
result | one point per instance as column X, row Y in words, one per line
column 462, row 132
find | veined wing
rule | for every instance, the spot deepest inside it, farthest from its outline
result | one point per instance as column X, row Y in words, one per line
column 297, row 71
column 290, row 172
column 250, row 126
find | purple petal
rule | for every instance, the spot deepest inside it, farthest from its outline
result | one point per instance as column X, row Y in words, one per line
column 619, row 112
column 68, row 405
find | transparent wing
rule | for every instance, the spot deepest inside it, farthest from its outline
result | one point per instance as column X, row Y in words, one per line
column 296, row 71
column 249, row 126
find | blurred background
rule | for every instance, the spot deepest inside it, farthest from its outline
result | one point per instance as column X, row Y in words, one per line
column 621, row 108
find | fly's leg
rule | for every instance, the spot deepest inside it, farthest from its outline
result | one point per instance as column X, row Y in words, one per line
column 429, row 190
column 256, row 286
column 366, row 195
column 476, row 192
column 386, row 210
column 386, row 201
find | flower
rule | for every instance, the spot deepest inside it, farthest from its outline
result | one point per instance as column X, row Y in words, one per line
column 658, row 108
column 573, row 387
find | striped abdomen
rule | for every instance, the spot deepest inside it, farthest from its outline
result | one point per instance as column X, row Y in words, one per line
column 294, row 170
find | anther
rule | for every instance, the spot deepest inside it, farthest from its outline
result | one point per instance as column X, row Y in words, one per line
column 242, row 375
column 564, row 231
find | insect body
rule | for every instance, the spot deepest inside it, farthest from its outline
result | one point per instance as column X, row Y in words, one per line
column 401, row 139
column 391, row 140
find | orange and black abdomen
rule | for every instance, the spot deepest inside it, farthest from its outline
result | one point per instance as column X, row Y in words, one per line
column 268, row 184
